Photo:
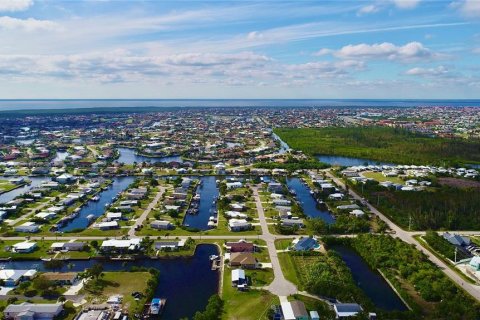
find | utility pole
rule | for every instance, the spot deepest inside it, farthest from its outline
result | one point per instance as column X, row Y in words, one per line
column 455, row 254
column 409, row 222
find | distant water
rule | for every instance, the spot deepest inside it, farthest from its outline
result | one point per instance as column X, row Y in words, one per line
column 6, row 105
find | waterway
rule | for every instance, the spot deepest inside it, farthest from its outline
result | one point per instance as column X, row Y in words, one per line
column 348, row 161
column 97, row 208
column 186, row 283
column 208, row 191
column 9, row 196
column 370, row 281
column 283, row 145
column 307, row 201
column 128, row 156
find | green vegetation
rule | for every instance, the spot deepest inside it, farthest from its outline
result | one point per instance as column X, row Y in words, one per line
column 213, row 311
column 442, row 246
column 443, row 208
column 293, row 164
column 381, row 144
column 425, row 287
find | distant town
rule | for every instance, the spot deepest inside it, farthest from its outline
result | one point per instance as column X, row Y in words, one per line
column 240, row 213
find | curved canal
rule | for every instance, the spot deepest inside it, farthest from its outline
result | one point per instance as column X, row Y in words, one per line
column 10, row 195
column 128, row 156
column 187, row 283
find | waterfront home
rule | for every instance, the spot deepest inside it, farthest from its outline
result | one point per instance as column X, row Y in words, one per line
column 107, row 225
column 234, row 185
column 12, row 277
column 282, row 202
column 292, row 222
column 113, row 216
column 47, row 215
column 161, row 225
column 120, row 246
column 61, row 278
column 28, row 227
column 240, row 246
column 348, row 207
column 357, row 213
column 294, row 310
column 235, row 214
column 327, row 187
column 24, row 247
column 314, row 315
column 336, row 196
column 169, row 245
column 304, row 244
column 65, row 178
column 275, row 187
column 67, row 246
column 186, row 182
column 239, row 225
column 245, row 260
column 31, row 311
column 345, row 310
column 238, row 278
column 137, row 193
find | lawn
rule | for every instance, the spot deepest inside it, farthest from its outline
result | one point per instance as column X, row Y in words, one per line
column 248, row 305
column 119, row 283
column 378, row 176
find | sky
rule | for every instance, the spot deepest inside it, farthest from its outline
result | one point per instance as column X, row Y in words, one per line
column 389, row 49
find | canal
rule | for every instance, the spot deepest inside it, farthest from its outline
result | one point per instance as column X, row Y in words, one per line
column 10, row 195
column 283, row 145
column 128, row 156
column 370, row 281
column 208, row 191
column 185, row 282
column 347, row 161
column 307, row 201
column 97, row 208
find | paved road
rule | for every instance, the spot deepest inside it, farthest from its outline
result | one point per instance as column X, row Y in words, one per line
column 145, row 213
column 407, row 237
column 279, row 286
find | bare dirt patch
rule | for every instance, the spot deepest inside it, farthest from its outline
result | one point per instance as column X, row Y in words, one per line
column 459, row 183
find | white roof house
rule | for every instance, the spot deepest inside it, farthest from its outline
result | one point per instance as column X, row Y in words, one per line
column 238, row 274
column 27, row 310
column 28, row 226
column 24, row 247
column 129, row 244
column 10, row 277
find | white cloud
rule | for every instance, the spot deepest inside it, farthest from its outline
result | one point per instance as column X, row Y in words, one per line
column 368, row 9
column 406, row 4
column 15, row 5
column 468, row 8
column 29, row 24
column 410, row 52
column 428, row 72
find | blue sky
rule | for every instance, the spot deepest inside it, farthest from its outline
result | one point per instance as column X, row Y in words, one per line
column 240, row 49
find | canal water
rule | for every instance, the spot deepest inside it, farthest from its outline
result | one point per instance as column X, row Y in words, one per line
column 187, row 283
column 347, row 161
column 97, row 208
column 370, row 281
column 208, row 191
column 128, row 156
column 283, row 146
column 307, row 201
column 9, row 196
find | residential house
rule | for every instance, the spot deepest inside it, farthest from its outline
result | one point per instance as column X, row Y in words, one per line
column 292, row 222
column 345, row 310
column 120, row 246
column 245, row 260
column 67, row 246
column 238, row 278
column 32, row 311
column 169, row 245
column 305, row 244
column 294, row 310
column 162, row 225
column 239, row 225
column 12, row 277
column 61, row 278
column 240, row 246
column 28, row 227
column 24, row 247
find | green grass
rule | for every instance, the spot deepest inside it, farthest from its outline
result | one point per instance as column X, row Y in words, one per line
column 381, row 178
column 123, row 283
column 248, row 305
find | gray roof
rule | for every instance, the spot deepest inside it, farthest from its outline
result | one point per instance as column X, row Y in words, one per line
column 52, row 308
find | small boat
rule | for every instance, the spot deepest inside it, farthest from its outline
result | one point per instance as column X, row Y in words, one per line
column 213, row 257
column 96, row 198
column 156, row 306
column 311, row 192
column 90, row 217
